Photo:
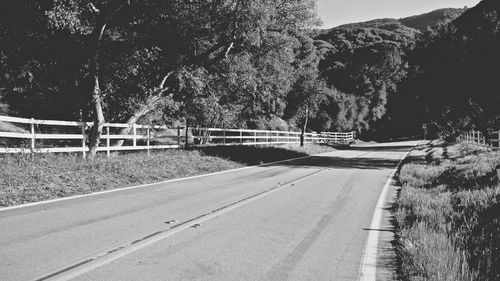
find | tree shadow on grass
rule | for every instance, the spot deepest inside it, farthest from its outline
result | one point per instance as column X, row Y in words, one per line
column 251, row 155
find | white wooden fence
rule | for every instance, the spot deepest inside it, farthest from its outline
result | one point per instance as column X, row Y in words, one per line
column 479, row 138
column 47, row 136
column 213, row 136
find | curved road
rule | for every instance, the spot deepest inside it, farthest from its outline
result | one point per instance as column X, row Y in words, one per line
column 305, row 219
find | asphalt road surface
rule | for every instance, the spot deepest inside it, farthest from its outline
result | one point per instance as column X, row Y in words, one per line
column 305, row 219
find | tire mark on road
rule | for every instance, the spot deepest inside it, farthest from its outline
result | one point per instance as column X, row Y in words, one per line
column 91, row 263
column 283, row 269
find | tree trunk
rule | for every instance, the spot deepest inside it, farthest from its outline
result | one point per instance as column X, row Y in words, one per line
column 153, row 101
column 186, row 146
column 98, row 116
column 146, row 108
column 302, row 132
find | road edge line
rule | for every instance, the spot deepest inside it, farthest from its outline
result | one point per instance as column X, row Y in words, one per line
column 148, row 184
column 368, row 267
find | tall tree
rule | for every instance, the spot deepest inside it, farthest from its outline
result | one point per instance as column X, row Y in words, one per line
column 134, row 56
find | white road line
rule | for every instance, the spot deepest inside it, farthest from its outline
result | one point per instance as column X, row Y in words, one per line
column 119, row 252
column 149, row 184
column 368, row 269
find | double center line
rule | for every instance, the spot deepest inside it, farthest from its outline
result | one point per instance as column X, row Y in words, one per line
column 111, row 255
column 106, row 257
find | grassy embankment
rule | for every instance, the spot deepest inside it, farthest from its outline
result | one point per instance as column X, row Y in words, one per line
column 48, row 176
column 447, row 215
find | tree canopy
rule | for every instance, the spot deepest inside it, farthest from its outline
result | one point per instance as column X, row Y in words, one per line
column 256, row 64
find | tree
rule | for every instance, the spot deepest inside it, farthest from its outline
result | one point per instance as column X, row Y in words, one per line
column 133, row 57
column 367, row 63
column 308, row 91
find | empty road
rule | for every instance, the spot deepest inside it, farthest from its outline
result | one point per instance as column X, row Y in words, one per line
column 305, row 219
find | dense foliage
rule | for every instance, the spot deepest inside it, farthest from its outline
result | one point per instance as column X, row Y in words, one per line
column 256, row 64
column 195, row 60
column 368, row 65
column 456, row 79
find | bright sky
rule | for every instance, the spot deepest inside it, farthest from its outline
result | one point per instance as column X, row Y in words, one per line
column 337, row 12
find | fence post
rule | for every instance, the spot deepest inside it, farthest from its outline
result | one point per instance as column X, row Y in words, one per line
column 108, row 142
column 84, row 137
column 32, row 136
column 224, row 137
column 148, row 135
column 255, row 137
column 241, row 137
column 186, row 145
column 134, row 140
column 178, row 137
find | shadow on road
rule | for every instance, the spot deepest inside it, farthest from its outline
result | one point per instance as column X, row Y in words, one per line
column 251, row 155
column 258, row 155
column 342, row 163
column 388, row 148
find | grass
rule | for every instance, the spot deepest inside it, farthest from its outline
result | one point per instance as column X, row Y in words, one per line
column 447, row 215
column 24, row 179
column 9, row 127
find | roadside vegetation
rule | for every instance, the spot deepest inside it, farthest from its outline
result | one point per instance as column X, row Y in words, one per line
column 447, row 215
column 25, row 179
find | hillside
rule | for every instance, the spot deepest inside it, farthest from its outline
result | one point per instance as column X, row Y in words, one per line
column 432, row 19
column 459, row 70
column 419, row 22
column 482, row 20
column 402, row 31
column 367, row 60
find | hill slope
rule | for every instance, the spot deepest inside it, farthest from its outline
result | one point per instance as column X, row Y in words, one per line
column 419, row 22
column 367, row 61
column 432, row 19
column 402, row 31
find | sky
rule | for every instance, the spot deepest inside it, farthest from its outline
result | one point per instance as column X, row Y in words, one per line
column 337, row 12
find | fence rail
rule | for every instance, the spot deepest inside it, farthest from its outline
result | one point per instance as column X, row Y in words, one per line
column 479, row 138
column 49, row 136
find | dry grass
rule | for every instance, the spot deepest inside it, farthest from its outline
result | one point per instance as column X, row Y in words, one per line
column 24, row 180
column 430, row 255
column 9, row 127
column 448, row 215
